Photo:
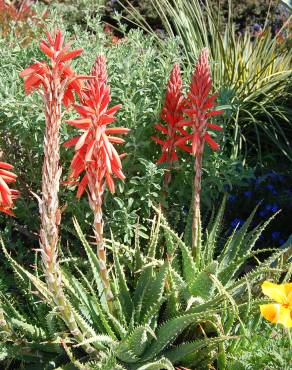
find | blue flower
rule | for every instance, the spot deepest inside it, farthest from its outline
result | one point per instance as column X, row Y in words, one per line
column 274, row 208
column 263, row 213
column 276, row 235
column 258, row 180
column 282, row 241
column 256, row 27
column 247, row 194
column 231, row 198
column 236, row 222
column 272, row 189
column 272, row 174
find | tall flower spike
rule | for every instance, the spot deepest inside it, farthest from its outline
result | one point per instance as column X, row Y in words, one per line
column 56, row 81
column 172, row 114
column 58, row 74
column 96, row 159
column 7, row 195
column 198, row 109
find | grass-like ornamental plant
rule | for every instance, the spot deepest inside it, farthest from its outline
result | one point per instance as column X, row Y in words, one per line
column 95, row 156
column 7, row 195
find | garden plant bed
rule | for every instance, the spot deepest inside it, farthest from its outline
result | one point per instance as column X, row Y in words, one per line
column 145, row 185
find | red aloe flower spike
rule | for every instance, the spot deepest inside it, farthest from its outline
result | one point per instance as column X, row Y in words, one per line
column 171, row 115
column 95, row 156
column 43, row 74
column 7, row 195
column 199, row 107
column 58, row 82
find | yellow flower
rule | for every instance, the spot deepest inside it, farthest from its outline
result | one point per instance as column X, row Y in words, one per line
column 280, row 312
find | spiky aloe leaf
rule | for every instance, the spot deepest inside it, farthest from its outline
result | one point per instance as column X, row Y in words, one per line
column 210, row 245
column 138, row 260
column 154, row 236
column 93, row 260
column 203, row 286
column 173, row 292
column 131, row 348
column 24, row 274
column 24, row 353
column 154, row 294
column 103, row 340
column 178, row 353
column 31, row 332
column 9, row 307
column 231, row 249
column 162, row 364
column 123, row 290
column 263, row 269
column 171, row 245
column 189, row 266
column 82, row 297
column 227, row 272
column 118, row 326
column 170, row 330
column 140, row 291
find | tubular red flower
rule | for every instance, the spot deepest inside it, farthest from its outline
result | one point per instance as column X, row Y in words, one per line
column 199, row 106
column 7, row 195
column 95, row 154
column 172, row 114
column 43, row 74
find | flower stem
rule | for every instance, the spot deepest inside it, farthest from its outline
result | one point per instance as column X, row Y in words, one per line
column 49, row 207
column 290, row 338
column 101, row 252
column 196, row 207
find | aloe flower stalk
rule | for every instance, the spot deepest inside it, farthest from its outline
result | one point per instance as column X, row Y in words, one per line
column 172, row 114
column 96, row 159
column 198, row 109
column 56, row 83
column 7, row 195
